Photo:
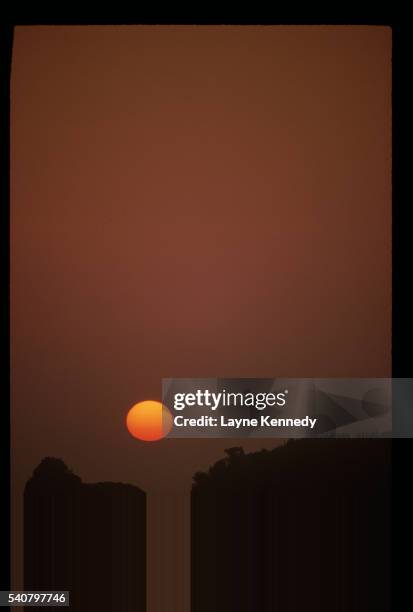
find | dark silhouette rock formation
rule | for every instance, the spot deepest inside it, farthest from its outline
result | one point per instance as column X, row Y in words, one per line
column 89, row 539
column 304, row 527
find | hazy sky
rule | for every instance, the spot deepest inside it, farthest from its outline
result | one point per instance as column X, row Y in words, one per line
column 190, row 201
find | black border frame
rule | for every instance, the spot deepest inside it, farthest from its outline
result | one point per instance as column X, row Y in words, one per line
column 402, row 300
column 6, row 42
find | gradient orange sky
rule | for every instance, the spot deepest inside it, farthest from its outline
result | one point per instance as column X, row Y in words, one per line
column 194, row 202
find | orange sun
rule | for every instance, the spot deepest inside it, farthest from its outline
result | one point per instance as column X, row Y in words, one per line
column 149, row 421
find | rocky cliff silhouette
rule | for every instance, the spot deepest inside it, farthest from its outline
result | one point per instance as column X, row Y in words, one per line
column 89, row 539
column 302, row 528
